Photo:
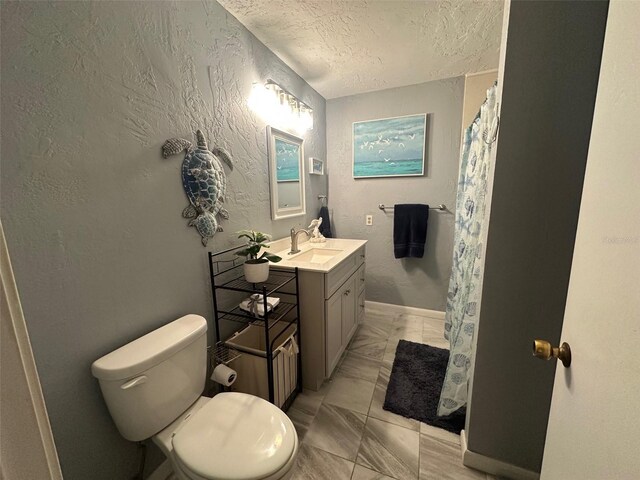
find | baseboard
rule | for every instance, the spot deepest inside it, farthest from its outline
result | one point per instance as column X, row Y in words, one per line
column 388, row 307
column 163, row 472
column 492, row 465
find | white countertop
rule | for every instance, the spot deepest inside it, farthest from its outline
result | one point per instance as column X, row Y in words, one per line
column 346, row 246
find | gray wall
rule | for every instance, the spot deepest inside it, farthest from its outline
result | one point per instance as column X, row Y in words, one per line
column 550, row 78
column 412, row 282
column 91, row 211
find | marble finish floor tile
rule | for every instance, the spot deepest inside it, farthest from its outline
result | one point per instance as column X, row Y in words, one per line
column 389, row 353
column 359, row 366
column 376, row 410
column 384, row 373
column 346, row 421
column 362, row 473
column 409, row 321
column 390, row 449
column 392, row 344
column 384, row 322
column 434, row 323
column 350, row 393
column 369, row 341
column 411, row 334
column 434, row 335
column 381, row 313
column 370, row 330
column 336, row 430
column 439, row 433
column 309, row 401
column 437, row 341
column 369, row 347
column 315, row 464
column 441, row 460
column 301, row 421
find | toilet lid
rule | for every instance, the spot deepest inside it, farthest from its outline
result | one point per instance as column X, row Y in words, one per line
column 235, row 436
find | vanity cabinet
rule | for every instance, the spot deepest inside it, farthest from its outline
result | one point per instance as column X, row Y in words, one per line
column 331, row 307
column 341, row 322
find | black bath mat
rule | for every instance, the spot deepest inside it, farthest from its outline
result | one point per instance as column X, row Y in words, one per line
column 415, row 383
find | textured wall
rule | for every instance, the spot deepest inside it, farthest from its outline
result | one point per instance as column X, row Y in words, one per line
column 413, row 282
column 545, row 127
column 90, row 91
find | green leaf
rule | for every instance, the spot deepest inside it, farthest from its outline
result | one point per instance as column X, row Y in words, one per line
column 271, row 257
column 256, row 241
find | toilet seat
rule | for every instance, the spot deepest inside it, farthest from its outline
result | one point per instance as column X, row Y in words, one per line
column 279, row 475
column 236, row 436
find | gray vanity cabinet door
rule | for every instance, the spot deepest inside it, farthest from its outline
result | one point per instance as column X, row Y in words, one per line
column 349, row 323
column 333, row 310
column 360, row 308
column 360, row 289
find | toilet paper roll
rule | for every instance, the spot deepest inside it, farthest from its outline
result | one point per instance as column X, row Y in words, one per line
column 224, row 375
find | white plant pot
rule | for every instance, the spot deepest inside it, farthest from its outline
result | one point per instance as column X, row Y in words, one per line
column 256, row 271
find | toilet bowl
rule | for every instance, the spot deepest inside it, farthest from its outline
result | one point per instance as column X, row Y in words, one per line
column 152, row 388
column 230, row 436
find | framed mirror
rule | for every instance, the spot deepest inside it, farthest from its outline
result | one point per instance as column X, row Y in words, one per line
column 286, row 174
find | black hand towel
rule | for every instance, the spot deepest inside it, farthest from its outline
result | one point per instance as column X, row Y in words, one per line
column 410, row 229
column 325, row 227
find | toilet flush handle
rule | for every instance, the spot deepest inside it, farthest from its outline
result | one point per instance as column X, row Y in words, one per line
column 133, row 382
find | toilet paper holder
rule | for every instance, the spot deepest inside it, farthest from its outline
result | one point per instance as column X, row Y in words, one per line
column 221, row 354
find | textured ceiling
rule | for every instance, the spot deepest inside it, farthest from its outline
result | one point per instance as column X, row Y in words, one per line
column 344, row 47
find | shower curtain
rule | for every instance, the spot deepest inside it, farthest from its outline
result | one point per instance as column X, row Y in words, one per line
column 466, row 276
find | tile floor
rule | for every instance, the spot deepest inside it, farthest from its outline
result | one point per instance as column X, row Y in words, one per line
column 345, row 434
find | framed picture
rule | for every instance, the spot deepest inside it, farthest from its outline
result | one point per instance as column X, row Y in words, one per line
column 389, row 147
column 316, row 166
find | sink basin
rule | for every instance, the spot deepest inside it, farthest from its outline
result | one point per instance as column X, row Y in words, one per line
column 316, row 255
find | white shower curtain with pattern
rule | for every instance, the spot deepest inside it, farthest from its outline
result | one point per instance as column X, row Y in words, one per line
column 465, row 285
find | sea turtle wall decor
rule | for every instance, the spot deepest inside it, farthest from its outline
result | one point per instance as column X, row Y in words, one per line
column 204, row 182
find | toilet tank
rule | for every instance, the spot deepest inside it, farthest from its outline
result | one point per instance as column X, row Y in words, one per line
column 149, row 382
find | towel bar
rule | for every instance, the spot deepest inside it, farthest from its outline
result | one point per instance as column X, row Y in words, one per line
column 442, row 207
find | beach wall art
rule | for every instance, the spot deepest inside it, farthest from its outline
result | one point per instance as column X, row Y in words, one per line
column 316, row 166
column 389, row 147
column 287, row 161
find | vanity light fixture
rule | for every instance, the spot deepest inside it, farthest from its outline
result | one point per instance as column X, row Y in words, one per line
column 280, row 108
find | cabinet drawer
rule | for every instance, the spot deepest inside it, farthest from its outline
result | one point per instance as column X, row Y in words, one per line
column 335, row 278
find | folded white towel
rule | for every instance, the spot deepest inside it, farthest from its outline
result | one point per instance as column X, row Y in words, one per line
column 255, row 304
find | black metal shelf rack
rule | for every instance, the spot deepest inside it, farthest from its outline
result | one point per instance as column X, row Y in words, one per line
column 225, row 269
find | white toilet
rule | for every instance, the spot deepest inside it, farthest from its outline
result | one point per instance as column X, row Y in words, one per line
column 152, row 387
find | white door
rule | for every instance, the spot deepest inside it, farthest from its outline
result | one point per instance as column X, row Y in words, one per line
column 27, row 449
column 594, row 424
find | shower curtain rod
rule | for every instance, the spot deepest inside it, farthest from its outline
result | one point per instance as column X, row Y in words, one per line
column 442, row 207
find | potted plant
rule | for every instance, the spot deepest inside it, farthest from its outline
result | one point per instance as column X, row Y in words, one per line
column 256, row 269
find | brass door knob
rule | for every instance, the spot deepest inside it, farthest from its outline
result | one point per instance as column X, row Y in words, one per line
column 543, row 349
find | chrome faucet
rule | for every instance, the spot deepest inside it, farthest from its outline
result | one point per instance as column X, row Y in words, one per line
column 294, row 240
